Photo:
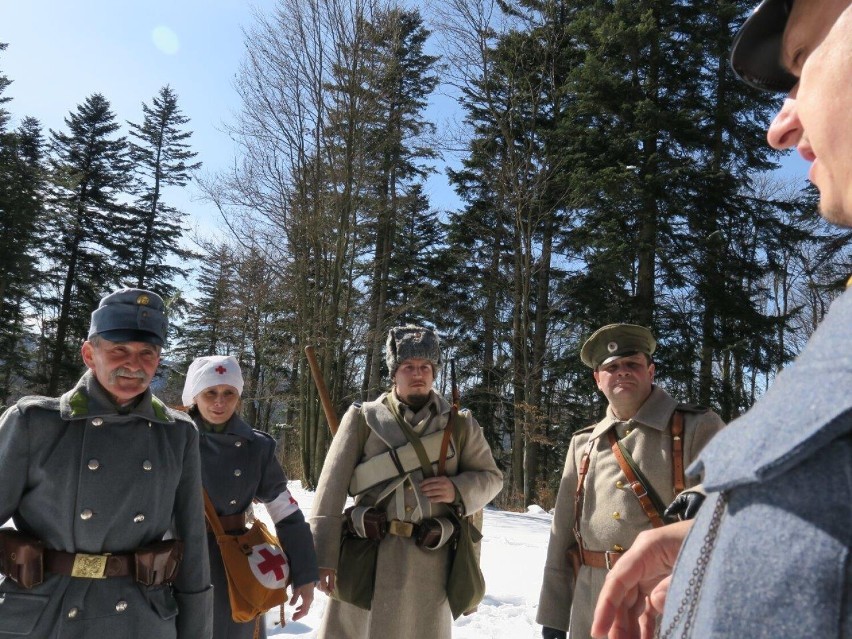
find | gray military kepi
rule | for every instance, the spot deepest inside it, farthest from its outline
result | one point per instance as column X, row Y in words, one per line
column 131, row 315
column 613, row 341
column 756, row 53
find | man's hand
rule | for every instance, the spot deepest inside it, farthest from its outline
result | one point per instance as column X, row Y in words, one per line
column 326, row 580
column 635, row 589
column 439, row 490
column 306, row 593
column 684, row 506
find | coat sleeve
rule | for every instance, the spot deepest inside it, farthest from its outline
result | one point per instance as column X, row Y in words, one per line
column 192, row 588
column 478, row 480
column 332, row 490
column 14, row 460
column 557, row 588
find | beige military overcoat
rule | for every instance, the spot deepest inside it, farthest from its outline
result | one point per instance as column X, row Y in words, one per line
column 612, row 516
column 410, row 594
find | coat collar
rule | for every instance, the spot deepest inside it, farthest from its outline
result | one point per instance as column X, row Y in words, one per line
column 804, row 410
column 88, row 399
column 654, row 413
column 236, row 427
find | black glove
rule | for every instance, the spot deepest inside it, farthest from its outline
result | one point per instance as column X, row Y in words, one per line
column 552, row 633
column 685, row 506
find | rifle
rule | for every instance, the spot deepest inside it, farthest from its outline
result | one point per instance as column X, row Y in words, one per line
column 448, row 431
column 325, row 399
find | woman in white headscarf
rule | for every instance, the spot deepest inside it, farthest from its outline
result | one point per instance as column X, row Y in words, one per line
column 238, row 465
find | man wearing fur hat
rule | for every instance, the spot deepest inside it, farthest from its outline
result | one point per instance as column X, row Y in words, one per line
column 94, row 480
column 375, row 458
column 619, row 475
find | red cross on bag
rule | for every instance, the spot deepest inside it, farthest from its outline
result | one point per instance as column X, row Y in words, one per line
column 269, row 565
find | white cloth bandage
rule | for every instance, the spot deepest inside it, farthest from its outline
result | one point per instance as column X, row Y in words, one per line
column 205, row 372
column 282, row 507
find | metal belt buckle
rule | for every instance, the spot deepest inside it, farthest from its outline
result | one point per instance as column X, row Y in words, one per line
column 610, row 556
column 89, row 566
column 401, row 528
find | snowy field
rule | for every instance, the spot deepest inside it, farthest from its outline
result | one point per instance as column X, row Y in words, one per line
column 513, row 553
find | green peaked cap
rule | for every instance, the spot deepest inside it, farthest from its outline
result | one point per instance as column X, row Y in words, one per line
column 616, row 340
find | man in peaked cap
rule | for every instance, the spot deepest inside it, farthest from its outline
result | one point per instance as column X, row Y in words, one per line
column 619, row 476
column 769, row 554
column 373, row 459
column 94, row 480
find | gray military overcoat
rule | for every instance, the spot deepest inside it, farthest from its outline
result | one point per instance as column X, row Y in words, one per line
column 780, row 563
column 238, row 466
column 83, row 478
column 612, row 515
column 410, row 598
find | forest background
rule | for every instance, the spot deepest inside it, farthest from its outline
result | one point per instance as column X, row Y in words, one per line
column 608, row 167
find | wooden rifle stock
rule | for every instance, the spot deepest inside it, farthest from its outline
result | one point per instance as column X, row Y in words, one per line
column 316, row 373
column 451, row 420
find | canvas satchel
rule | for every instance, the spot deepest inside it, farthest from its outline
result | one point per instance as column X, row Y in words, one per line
column 356, row 570
column 255, row 565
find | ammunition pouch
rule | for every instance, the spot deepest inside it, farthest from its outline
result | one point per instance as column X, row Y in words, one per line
column 21, row 558
column 366, row 522
column 158, row 563
column 435, row 533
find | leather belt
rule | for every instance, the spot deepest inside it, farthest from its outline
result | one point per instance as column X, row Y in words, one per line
column 231, row 522
column 89, row 566
column 600, row 559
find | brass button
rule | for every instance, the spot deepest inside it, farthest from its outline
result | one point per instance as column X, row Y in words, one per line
column 73, row 613
column 237, row 472
column 616, row 515
column 233, row 502
column 408, row 509
column 238, row 443
column 619, row 484
column 409, row 487
column 121, row 606
column 2, row 598
column 147, row 465
column 139, row 518
column 94, row 464
column 86, row 514
column 617, row 548
column 97, row 421
column 628, row 431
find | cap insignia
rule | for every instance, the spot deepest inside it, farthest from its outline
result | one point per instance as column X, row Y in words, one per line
column 612, row 347
column 143, row 300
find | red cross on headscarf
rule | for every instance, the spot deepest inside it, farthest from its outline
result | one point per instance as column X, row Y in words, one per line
column 271, row 563
column 220, row 369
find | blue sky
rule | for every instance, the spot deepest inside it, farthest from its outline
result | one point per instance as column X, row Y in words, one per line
column 61, row 51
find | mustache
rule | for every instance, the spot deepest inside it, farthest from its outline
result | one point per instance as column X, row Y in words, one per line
column 126, row 372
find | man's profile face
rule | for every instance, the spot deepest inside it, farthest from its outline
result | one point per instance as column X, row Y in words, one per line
column 414, row 379
column 124, row 369
column 626, row 380
column 817, row 48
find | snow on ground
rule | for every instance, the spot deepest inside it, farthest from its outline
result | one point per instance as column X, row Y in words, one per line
column 513, row 554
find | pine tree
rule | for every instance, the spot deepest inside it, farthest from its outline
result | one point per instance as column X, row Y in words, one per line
column 159, row 155
column 88, row 241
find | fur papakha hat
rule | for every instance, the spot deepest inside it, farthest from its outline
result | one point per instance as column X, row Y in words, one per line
column 405, row 342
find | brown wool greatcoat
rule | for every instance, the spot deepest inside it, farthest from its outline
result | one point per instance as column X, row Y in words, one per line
column 410, row 597
column 612, row 516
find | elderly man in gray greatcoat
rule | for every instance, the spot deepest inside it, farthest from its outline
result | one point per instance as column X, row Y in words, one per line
column 94, row 481
column 371, row 457
column 619, row 476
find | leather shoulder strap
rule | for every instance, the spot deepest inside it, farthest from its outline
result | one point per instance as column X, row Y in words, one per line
column 579, row 496
column 211, row 516
column 635, row 484
column 678, row 480
column 445, row 441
